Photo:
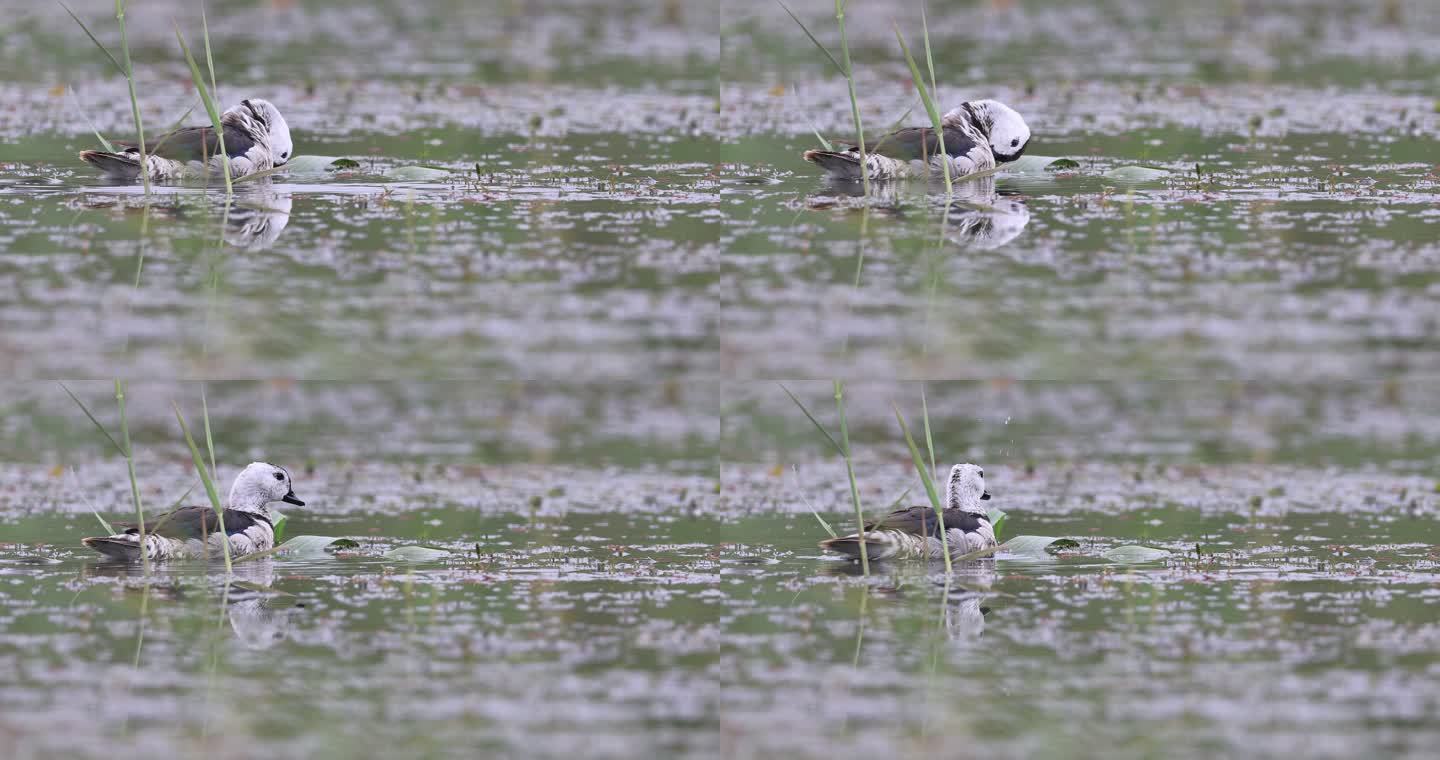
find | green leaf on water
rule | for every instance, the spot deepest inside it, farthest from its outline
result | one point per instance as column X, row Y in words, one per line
column 1135, row 174
column 343, row 163
column 1034, row 546
column 1133, row 553
column 314, row 164
column 1028, row 164
column 1063, row 165
column 418, row 173
column 315, row 546
column 997, row 520
column 279, row 523
column 417, row 554
column 1064, row 544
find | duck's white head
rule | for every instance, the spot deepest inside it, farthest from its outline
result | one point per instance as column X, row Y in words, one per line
column 1009, row 134
column 276, row 131
column 259, row 484
column 966, row 488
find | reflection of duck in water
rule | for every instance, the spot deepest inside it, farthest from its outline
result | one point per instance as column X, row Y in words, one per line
column 259, row 614
column 915, row 533
column 988, row 225
column 256, row 222
column 979, row 215
column 965, row 617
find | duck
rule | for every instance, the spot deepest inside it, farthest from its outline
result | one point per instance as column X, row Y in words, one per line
column 979, row 135
column 195, row 531
column 913, row 532
column 257, row 138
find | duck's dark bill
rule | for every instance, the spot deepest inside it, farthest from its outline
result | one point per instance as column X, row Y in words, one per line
column 985, row 496
column 290, row 499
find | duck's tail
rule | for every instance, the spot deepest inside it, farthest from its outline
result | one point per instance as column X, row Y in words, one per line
column 837, row 164
column 878, row 545
column 115, row 547
column 114, row 165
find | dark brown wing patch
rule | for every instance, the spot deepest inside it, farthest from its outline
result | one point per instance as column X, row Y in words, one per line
column 197, row 143
column 921, row 521
column 193, row 522
column 919, row 143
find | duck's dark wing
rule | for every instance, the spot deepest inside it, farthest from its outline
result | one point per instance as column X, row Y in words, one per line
column 919, row 143
column 193, row 522
column 921, row 521
column 197, row 143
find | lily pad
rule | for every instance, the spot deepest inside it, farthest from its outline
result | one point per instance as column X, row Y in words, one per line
column 315, row 546
column 997, row 520
column 418, row 173
column 1037, row 546
column 1031, row 164
column 1133, row 553
column 1135, row 174
column 1062, row 545
column 1063, row 165
column 319, row 164
column 417, row 554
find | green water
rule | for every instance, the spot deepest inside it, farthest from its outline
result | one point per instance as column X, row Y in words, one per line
column 561, row 361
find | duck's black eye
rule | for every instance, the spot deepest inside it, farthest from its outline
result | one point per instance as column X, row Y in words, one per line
column 279, row 476
column 1015, row 143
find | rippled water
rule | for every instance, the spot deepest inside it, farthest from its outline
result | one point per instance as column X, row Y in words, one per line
column 543, row 325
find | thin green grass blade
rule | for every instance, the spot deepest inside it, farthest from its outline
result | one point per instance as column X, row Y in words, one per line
column 209, row 441
column 93, row 129
column 803, row 28
column 205, row 479
column 929, row 484
column 258, row 175
column 220, row 133
column 850, row 471
column 169, row 133
column 210, row 107
column 929, row 59
column 796, row 472
column 838, row 449
column 96, row 422
column 134, row 98
column 854, row 101
column 934, row 89
column 134, row 482
column 104, row 524
column 93, row 39
column 930, row 108
column 929, row 441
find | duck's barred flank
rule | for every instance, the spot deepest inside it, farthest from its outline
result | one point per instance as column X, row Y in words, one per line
column 897, row 544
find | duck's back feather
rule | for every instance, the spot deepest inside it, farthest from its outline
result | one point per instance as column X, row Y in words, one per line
column 195, row 522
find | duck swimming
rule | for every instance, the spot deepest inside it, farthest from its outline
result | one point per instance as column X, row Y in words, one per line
column 256, row 139
column 195, row 531
column 979, row 135
column 913, row 532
